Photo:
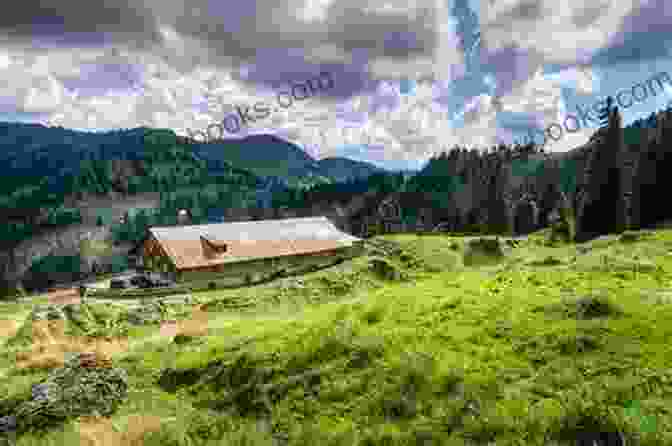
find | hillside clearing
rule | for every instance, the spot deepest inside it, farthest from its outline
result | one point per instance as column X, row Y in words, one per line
column 535, row 348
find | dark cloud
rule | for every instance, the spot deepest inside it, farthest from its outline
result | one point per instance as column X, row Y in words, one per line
column 78, row 23
column 511, row 67
column 250, row 33
column 97, row 79
column 645, row 35
column 636, row 49
column 527, row 9
column 348, row 79
column 278, row 44
column 586, row 16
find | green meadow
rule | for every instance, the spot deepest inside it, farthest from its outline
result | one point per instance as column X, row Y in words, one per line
column 420, row 342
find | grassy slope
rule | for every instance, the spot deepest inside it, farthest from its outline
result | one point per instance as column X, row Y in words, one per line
column 457, row 355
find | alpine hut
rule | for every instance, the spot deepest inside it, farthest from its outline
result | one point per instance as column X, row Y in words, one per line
column 237, row 253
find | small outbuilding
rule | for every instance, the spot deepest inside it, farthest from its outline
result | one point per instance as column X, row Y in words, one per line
column 237, row 253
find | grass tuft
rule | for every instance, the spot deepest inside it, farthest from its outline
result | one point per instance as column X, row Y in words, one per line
column 485, row 341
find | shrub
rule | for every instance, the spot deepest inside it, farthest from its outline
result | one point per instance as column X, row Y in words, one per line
column 483, row 251
column 385, row 270
column 548, row 261
column 565, row 228
column 629, row 237
column 584, row 308
column 182, row 339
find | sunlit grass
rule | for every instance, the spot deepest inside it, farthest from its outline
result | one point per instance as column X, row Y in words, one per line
column 520, row 351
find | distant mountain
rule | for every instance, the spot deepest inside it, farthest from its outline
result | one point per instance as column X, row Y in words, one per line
column 343, row 169
column 48, row 169
column 265, row 155
column 269, row 155
column 30, row 152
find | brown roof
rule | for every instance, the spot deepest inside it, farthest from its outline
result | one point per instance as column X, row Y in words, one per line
column 201, row 245
column 187, row 254
column 64, row 296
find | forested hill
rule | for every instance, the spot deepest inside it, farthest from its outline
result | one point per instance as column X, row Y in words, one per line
column 49, row 193
column 69, row 183
column 502, row 190
column 50, row 215
column 48, row 168
column 344, row 169
column 33, row 151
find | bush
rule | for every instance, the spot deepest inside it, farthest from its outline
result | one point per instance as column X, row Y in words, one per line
column 74, row 390
column 483, row 251
column 182, row 339
column 629, row 237
column 564, row 229
column 583, row 308
column 383, row 269
column 12, row 292
column 547, row 261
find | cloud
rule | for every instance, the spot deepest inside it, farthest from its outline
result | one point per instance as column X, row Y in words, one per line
column 193, row 62
column 583, row 78
column 185, row 65
column 72, row 23
column 559, row 31
column 644, row 35
column 520, row 36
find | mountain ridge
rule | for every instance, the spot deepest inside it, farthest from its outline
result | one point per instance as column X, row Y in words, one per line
column 56, row 151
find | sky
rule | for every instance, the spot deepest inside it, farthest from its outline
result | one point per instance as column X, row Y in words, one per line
column 410, row 78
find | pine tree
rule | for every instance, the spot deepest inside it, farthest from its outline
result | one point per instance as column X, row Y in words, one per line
column 498, row 221
column 606, row 112
column 602, row 209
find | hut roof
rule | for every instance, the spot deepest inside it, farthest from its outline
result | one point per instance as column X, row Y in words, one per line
column 249, row 240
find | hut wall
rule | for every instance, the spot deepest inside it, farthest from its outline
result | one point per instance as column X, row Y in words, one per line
column 236, row 274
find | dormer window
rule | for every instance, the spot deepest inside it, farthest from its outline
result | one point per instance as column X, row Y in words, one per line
column 213, row 247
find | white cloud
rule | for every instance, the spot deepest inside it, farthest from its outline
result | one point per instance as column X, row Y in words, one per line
column 314, row 10
column 538, row 95
column 554, row 29
column 5, row 61
column 583, row 78
column 202, row 62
